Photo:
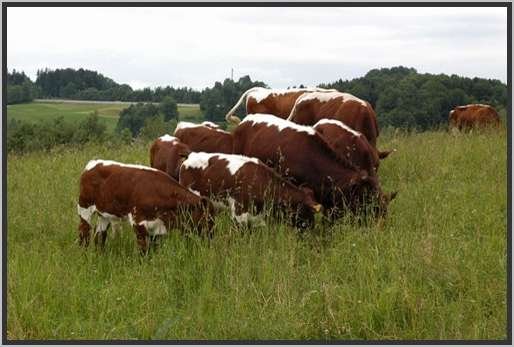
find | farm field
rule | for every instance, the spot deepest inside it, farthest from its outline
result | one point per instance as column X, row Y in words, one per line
column 73, row 112
column 436, row 270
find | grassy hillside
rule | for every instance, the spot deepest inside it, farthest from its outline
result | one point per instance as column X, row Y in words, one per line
column 436, row 270
column 36, row 111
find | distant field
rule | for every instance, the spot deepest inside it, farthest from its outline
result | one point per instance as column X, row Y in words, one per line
column 73, row 112
column 436, row 270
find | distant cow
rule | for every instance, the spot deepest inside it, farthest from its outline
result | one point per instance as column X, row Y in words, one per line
column 204, row 137
column 352, row 111
column 278, row 102
column 349, row 144
column 151, row 200
column 301, row 152
column 247, row 183
column 472, row 116
column 167, row 154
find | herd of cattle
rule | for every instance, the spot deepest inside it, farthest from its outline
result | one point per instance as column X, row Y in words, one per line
column 300, row 151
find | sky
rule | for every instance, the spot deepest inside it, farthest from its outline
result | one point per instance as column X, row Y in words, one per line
column 194, row 47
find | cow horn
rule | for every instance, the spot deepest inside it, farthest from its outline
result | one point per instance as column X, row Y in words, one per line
column 385, row 154
column 391, row 196
column 317, row 208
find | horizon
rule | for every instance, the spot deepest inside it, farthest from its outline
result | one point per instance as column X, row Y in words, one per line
column 253, row 80
column 283, row 48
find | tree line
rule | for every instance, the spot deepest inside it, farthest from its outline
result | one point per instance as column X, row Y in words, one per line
column 84, row 84
column 401, row 97
column 19, row 88
column 404, row 98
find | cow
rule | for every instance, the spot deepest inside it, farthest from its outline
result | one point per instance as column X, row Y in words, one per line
column 150, row 199
column 473, row 116
column 301, row 153
column 349, row 144
column 167, row 154
column 352, row 111
column 204, row 137
column 278, row 102
column 247, row 183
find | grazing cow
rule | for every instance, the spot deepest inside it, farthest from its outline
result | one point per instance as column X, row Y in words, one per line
column 150, row 199
column 204, row 137
column 472, row 116
column 352, row 111
column 167, row 154
column 350, row 144
column 302, row 153
column 247, row 183
column 278, row 102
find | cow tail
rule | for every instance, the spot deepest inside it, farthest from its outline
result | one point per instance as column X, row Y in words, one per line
column 293, row 110
column 229, row 117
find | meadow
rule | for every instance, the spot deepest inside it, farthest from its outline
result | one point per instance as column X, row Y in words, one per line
column 435, row 270
column 74, row 112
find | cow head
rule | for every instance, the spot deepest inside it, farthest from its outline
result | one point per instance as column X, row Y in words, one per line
column 304, row 217
column 364, row 197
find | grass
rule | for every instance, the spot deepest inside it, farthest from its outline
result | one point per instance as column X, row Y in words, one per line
column 73, row 112
column 437, row 269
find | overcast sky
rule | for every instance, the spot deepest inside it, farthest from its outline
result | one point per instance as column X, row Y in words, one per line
column 281, row 46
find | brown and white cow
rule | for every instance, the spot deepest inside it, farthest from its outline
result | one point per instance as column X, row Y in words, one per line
column 167, row 154
column 302, row 153
column 204, row 137
column 247, row 183
column 352, row 111
column 473, row 116
column 278, row 102
column 350, row 144
column 150, row 199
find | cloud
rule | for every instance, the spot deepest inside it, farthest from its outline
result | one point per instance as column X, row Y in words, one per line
column 281, row 46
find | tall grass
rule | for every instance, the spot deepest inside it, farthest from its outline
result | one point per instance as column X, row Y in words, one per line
column 436, row 270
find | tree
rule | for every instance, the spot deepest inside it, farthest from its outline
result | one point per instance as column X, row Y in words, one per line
column 133, row 117
column 168, row 108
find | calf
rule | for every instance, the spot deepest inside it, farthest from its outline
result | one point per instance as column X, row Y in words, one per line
column 247, row 183
column 151, row 200
column 349, row 144
column 301, row 153
column 167, row 154
column 204, row 137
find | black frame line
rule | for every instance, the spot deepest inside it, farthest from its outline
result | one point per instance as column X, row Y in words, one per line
column 507, row 5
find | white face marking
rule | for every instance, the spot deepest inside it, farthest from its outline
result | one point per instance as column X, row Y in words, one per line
column 200, row 160
column 185, row 125
column 339, row 124
column 280, row 123
column 92, row 163
column 327, row 96
column 168, row 138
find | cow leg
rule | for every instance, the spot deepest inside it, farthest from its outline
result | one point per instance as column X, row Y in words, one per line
column 101, row 231
column 84, row 233
column 142, row 238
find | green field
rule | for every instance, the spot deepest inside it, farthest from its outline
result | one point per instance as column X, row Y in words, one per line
column 73, row 112
column 436, row 270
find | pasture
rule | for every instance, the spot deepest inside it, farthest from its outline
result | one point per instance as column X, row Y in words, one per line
column 73, row 112
column 436, row 270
